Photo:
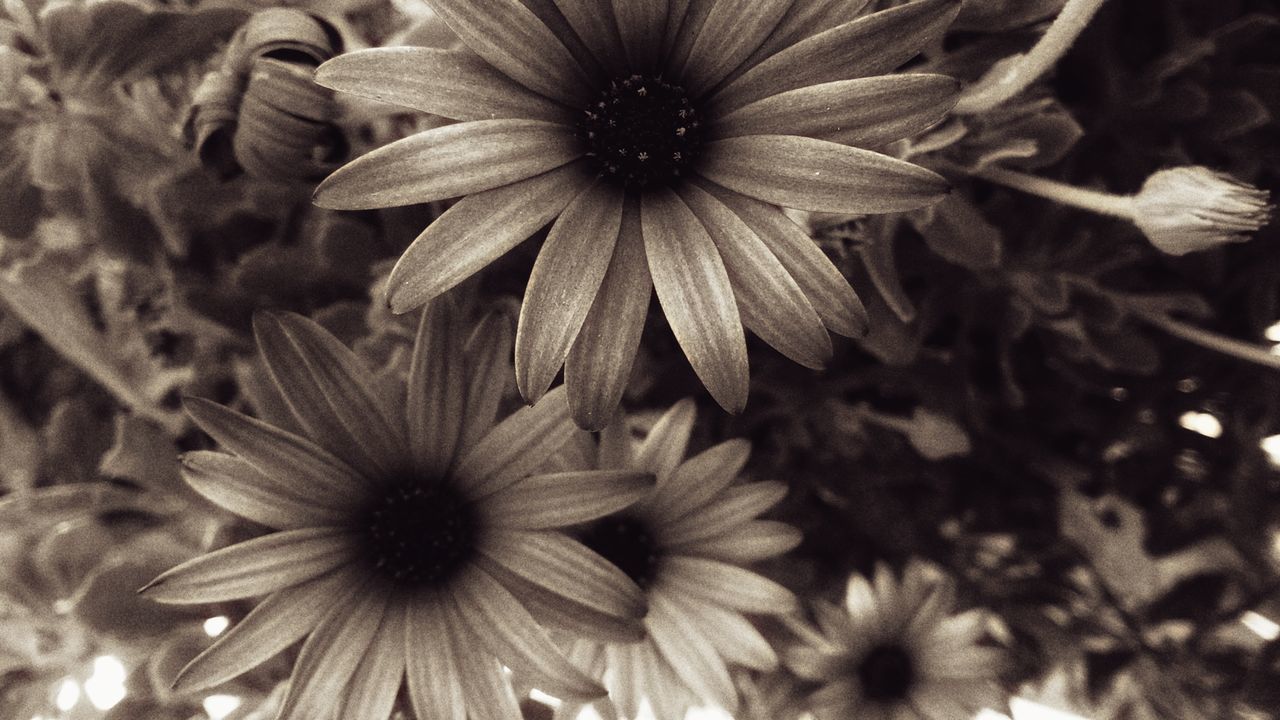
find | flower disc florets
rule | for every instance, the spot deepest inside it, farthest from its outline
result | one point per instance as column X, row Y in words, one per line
column 628, row 543
column 887, row 673
column 641, row 131
column 419, row 534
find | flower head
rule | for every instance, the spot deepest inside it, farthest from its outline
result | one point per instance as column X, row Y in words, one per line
column 686, row 544
column 407, row 523
column 1186, row 209
column 896, row 651
column 659, row 140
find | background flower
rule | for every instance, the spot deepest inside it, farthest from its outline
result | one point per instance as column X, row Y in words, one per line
column 397, row 528
column 687, row 545
column 896, row 650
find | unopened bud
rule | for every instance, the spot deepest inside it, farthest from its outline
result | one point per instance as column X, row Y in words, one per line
column 1192, row 208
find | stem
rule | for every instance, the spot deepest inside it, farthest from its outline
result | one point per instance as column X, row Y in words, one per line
column 1213, row 341
column 1120, row 206
column 1023, row 70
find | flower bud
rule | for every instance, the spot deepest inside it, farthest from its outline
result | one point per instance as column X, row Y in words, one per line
column 260, row 113
column 1192, row 208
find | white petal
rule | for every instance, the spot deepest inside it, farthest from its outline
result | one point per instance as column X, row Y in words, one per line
column 255, row 567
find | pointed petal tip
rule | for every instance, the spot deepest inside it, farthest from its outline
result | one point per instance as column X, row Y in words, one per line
column 589, row 420
column 396, row 301
column 685, row 406
column 316, row 198
column 263, row 321
column 321, row 74
column 853, row 321
column 532, row 381
column 731, row 400
column 145, row 589
column 530, row 391
column 194, row 403
column 729, row 390
column 186, row 681
column 326, row 197
column 398, row 290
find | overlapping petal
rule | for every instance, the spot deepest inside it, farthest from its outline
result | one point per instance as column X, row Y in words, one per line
column 516, row 447
column 727, row 585
column 641, row 26
column 435, row 688
column 699, row 479
column 236, row 486
column 376, row 683
column 732, row 31
column 735, row 506
column 594, row 23
column 566, row 568
column 451, row 83
column 565, row 498
column 565, row 280
column 436, row 390
column 254, row 567
column 449, row 161
column 511, row 38
column 753, row 541
column 330, row 655
column 869, row 45
column 477, row 230
column 599, row 361
column 771, row 303
column 826, row 288
column 491, row 613
column 330, row 392
column 489, row 357
column 664, row 447
column 696, row 296
column 804, row 20
column 865, row 112
column 275, row 624
column 291, row 459
column 818, row 175
column 696, row 663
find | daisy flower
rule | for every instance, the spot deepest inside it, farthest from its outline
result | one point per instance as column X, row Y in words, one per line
column 896, row 652
column 659, row 138
column 398, row 525
column 686, row 544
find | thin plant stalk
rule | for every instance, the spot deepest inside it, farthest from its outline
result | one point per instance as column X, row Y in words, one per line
column 1024, row 70
column 1103, row 203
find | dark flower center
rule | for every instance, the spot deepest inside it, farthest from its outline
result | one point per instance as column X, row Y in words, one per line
column 419, row 534
column 641, row 131
column 626, row 542
column 886, row 673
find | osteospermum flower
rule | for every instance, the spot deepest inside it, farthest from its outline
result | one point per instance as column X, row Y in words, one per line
column 896, row 652
column 661, row 138
column 403, row 522
column 686, row 544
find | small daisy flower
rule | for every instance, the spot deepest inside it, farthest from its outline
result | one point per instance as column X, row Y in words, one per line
column 407, row 523
column 896, row 652
column 687, row 544
column 659, row 139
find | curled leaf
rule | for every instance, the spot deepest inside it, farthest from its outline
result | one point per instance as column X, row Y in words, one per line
column 260, row 113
